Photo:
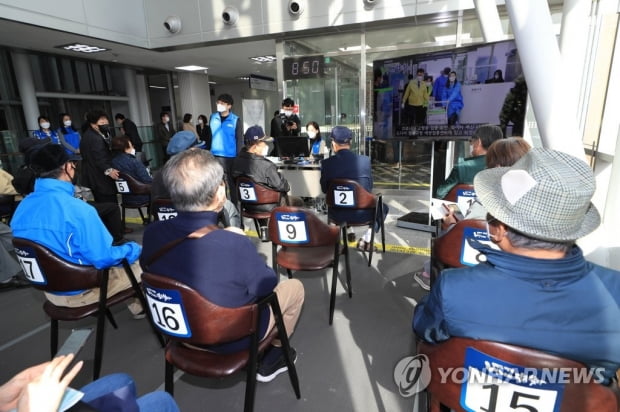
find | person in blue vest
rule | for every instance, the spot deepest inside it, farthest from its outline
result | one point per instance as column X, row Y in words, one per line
column 68, row 137
column 453, row 98
column 45, row 130
column 227, row 138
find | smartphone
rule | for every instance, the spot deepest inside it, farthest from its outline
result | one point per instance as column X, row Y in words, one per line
column 75, row 342
column 454, row 209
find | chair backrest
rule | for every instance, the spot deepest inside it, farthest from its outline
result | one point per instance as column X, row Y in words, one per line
column 349, row 194
column 128, row 185
column 163, row 209
column 452, row 248
column 527, row 379
column 299, row 227
column 47, row 271
column 463, row 195
column 254, row 193
column 183, row 314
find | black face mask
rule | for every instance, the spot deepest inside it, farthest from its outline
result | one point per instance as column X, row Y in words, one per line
column 104, row 128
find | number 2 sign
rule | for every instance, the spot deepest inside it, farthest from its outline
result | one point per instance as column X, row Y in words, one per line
column 344, row 196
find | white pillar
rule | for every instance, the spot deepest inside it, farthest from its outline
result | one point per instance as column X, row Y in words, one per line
column 542, row 65
column 129, row 76
column 194, row 94
column 573, row 47
column 489, row 20
column 25, row 85
column 143, row 102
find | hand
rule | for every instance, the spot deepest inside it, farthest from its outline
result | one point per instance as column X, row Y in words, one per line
column 114, row 174
column 294, row 126
column 402, row 105
column 45, row 392
column 448, row 220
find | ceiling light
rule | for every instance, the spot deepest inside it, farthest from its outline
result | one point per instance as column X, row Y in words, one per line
column 157, row 87
column 191, row 68
column 82, row 48
column 243, row 78
column 451, row 38
column 264, row 59
column 210, row 82
column 352, row 48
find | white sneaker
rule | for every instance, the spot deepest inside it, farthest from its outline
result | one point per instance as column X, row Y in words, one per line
column 423, row 279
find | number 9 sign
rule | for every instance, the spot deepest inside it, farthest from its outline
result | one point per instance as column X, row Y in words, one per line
column 167, row 311
column 292, row 227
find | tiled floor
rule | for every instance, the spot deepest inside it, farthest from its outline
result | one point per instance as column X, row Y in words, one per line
column 348, row 366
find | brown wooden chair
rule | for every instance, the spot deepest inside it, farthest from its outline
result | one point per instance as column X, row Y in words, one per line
column 444, row 392
column 50, row 273
column 163, row 209
column 447, row 251
column 306, row 243
column 185, row 316
column 252, row 194
column 133, row 194
column 347, row 194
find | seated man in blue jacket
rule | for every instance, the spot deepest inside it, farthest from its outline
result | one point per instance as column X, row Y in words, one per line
column 538, row 291
column 71, row 228
column 223, row 265
column 348, row 165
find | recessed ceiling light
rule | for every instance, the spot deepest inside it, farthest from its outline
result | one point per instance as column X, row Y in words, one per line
column 264, row 59
column 191, row 68
column 352, row 48
column 210, row 82
column 243, row 78
column 82, row 48
column 157, row 87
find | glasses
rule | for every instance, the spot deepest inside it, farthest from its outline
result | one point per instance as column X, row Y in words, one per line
column 489, row 219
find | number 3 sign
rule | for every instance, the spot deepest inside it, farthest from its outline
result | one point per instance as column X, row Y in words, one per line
column 167, row 311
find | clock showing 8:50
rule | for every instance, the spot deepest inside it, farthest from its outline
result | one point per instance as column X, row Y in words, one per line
column 308, row 67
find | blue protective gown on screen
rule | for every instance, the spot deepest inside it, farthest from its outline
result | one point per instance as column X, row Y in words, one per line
column 455, row 98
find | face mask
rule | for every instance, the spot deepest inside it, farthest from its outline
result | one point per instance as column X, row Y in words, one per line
column 132, row 151
column 200, row 121
column 311, row 135
column 221, row 108
column 420, row 78
column 287, row 113
column 67, row 123
column 452, row 78
column 166, row 119
column 264, row 151
column 104, row 128
column 45, row 125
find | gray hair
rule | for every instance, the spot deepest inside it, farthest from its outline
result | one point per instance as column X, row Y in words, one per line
column 192, row 178
column 524, row 241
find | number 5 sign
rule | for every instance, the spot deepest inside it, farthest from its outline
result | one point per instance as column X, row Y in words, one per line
column 167, row 311
column 121, row 186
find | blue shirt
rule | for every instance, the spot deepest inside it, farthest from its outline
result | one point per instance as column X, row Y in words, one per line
column 68, row 226
column 40, row 134
column 569, row 307
column 224, row 135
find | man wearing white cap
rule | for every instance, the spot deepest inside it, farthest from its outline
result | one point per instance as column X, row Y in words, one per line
column 538, row 291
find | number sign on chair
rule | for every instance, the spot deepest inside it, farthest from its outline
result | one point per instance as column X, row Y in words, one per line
column 469, row 255
column 122, row 186
column 166, row 213
column 30, row 266
column 167, row 311
column 344, row 196
column 492, row 384
column 292, row 227
column 464, row 199
column 247, row 193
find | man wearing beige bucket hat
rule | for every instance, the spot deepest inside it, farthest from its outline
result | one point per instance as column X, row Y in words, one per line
column 538, row 290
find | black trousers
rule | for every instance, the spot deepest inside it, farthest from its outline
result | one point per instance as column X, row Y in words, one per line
column 110, row 214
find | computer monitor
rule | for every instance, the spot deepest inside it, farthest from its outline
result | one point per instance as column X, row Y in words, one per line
column 293, row 146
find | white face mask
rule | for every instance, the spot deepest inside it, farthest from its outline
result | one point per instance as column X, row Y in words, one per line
column 452, row 78
column 166, row 119
column 132, row 151
column 200, row 121
column 45, row 125
column 221, row 108
column 420, row 78
column 67, row 123
column 264, row 151
column 287, row 113
column 311, row 135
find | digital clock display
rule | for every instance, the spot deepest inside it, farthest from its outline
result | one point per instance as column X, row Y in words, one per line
column 309, row 67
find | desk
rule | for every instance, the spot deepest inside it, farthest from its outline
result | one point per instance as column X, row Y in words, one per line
column 305, row 180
